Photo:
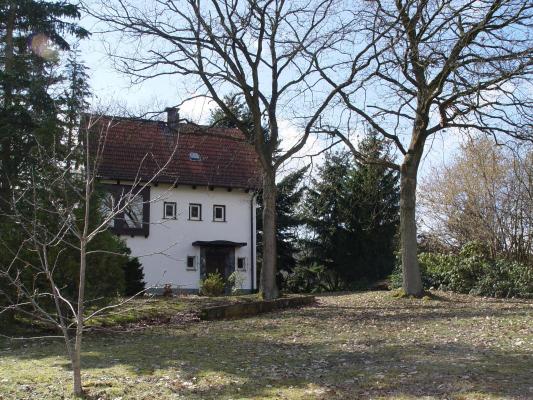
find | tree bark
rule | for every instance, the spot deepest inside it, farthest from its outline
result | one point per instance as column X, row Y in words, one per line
column 76, row 359
column 269, row 289
column 76, row 355
column 412, row 281
column 6, row 174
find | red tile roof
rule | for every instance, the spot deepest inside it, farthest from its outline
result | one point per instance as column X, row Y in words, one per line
column 138, row 148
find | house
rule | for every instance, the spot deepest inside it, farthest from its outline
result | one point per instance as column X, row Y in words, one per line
column 197, row 215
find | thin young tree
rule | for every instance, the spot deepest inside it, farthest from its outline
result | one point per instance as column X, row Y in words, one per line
column 440, row 66
column 254, row 49
column 55, row 212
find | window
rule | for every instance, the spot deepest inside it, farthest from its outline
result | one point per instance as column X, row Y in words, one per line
column 130, row 208
column 195, row 212
column 219, row 213
column 193, row 156
column 169, row 210
column 107, row 207
column 133, row 213
column 241, row 263
column 191, row 262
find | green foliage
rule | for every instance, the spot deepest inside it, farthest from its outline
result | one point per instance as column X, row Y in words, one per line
column 314, row 279
column 351, row 212
column 213, row 285
column 238, row 111
column 133, row 277
column 106, row 261
column 31, row 106
column 472, row 271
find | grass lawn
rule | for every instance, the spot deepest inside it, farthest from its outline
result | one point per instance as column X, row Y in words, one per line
column 349, row 346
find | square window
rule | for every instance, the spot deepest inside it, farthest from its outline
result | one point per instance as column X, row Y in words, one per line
column 219, row 213
column 169, row 210
column 195, row 212
column 241, row 263
column 191, row 262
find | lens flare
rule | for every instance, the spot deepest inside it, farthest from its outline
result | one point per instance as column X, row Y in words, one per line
column 41, row 45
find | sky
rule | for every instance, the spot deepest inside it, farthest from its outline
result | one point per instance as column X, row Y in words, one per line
column 113, row 88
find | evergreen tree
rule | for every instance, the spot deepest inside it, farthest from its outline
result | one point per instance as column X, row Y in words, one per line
column 329, row 241
column 133, row 277
column 351, row 212
column 74, row 100
column 31, row 32
column 40, row 108
column 237, row 106
column 375, row 211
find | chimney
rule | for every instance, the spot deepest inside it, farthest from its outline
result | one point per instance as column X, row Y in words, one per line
column 173, row 117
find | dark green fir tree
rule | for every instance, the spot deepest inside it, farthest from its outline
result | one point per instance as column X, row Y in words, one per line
column 352, row 216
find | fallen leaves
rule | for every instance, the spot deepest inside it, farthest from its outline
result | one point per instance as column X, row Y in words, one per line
column 361, row 345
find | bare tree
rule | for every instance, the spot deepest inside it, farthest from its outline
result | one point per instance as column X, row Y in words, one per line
column 255, row 49
column 54, row 212
column 441, row 66
column 485, row 195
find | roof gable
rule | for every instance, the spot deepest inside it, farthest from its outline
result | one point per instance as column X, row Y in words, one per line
column 137, row 149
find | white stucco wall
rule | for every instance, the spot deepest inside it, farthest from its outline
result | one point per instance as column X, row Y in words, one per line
column 164, row 252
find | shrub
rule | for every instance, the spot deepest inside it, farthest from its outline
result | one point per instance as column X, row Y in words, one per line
column 473, row 272
column 167, row 290
column 313, row 279
column 212, row 285
column 506, row 279
column 133, row 277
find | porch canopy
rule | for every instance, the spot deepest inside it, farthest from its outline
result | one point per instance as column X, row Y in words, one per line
column 218, row 243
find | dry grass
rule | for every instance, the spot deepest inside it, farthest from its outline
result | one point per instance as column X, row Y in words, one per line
column 348, row 346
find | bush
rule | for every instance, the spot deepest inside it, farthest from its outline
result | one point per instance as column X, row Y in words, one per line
column 133, row 277
column 506, row 279
column 472, row 272
column 313, row 279
column 212, row 285
column 167, row 290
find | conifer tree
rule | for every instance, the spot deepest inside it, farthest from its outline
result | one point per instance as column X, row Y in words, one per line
column 352, row 213
column 31, row 34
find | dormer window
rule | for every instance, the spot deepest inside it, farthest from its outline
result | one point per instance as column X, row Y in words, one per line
column 194, row 156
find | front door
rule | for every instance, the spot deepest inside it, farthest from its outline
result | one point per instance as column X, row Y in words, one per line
column 221, row 260
column 216, row 260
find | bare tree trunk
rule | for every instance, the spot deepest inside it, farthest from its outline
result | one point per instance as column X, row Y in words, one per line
column 76, row 355
column 76, row 359
column 269, row 289
column 412, row 281
column 5, row 189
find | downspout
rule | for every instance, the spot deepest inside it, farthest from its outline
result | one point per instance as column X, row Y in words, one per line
column 252, row 241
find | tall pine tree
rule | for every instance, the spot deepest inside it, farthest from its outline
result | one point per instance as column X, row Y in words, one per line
column 32, row 32
column 351, row 212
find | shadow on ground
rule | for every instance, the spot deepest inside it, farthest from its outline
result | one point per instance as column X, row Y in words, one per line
column 327, row 351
